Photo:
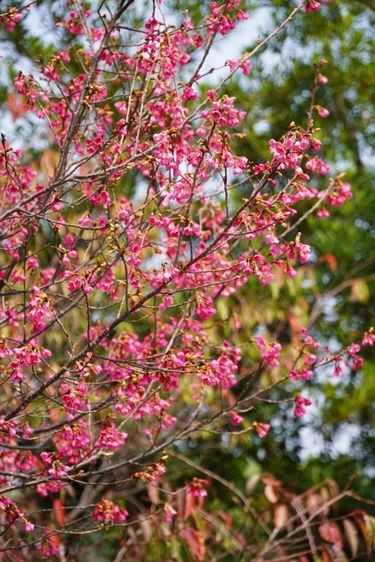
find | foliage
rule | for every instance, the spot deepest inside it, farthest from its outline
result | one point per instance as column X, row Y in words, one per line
column 342, row 274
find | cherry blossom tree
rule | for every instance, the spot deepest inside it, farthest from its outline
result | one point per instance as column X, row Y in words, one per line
column 119, row 243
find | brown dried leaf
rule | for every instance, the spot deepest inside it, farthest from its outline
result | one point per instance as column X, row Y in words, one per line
column 146, row 529
column 153, row 494
column 252, row 483
column 281, row 516
column 54, row 414
column 269, row 479
column 49, row 161
column 351, row 534
column 180, row 503
column 333, row 487
column 369, row 532
column 314, row 502
column 326, row 497
column 338, row 554
column 269, row 492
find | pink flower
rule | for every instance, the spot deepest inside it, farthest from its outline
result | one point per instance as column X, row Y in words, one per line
column 317, row 166
column 121, row 107
column 300, row 404
column 57, row 469
column 313, row 5
column 302, row 374
column 323, row 112
column 166, row 302
column 49, row 546
column 369, row 338
column 189, row 93
column 32, row 263
column 354, row 348
column 49, row 487
column 340, row 194
column 108, row 512
column 197, row 488
column 204, row 308
column 235, row 419
column 168, row 513
column 261, row 428
column 73, row 442
column 47, row 458
column 357, row 362
column 110, row 438
column 73, row 397
column 74, row 284
column 236, row 64
column 309, row 340
column 259, row 340
column 271, row 354
column 223, row 112
column 321, row 79
column 323, row 213
column 29, row 527
column 11, row 18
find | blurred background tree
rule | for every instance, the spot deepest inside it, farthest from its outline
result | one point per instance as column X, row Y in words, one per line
column 338, row 439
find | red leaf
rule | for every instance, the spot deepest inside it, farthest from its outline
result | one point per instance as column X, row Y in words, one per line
column 59, row 512
column 195, row 542
column 326, row 557
column 189, row 506
column 367, row 525
column 331, row 260
column 16, row 106
column 330, row 532
column 226, row 518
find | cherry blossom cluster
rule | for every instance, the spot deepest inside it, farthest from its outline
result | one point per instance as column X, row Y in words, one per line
column 113, row 267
